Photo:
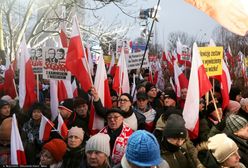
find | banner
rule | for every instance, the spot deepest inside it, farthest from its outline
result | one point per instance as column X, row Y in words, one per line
column 36, row 56
column 135, row 59
column 54, row 63
column 212, row 59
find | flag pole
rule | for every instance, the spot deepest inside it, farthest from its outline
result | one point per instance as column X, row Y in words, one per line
column 215, row 106
column 37, row 87
column 149, row 35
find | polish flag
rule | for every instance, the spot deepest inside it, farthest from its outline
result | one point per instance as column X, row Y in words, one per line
column 172, row 84
column 225, row 81
column 234, row 19
column 17, row 151
column 59, row 91
column 62, row 128
column 112, row 63
column 199, row 84
column 121, row 80
column 63, row 36
column 76, row 58
column 90, row 60
column 101, row 84
column 9, row 82
column 180, row 80
column 27, row 95
column 74, row 88
column 45, row 128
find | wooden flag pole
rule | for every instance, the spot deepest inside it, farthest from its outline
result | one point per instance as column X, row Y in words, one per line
column 215, row 106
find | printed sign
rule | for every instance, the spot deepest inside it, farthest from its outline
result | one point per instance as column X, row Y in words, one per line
column 54, row 64
column 134, row 60
column 212, row 59
column 36, row 59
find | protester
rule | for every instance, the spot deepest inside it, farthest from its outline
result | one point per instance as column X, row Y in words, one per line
column 233, row 107
column 183, row 97
column 30, row 133
column 133, row 119
column 174, row 147
column 5, row 133
column 243, row 111
column 4, row 110
column 218, row 152
column 237, row 130
column 119, row 133
column 235, row 94
column 74, row 156
column 151, row 91
column 97, row 151
column 52, row 153
column 145, row 109
column 142, row 151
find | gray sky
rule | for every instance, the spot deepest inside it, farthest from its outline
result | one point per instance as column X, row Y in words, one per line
column 175, row 15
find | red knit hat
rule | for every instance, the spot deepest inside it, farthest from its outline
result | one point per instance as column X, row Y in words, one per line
column 57, row 148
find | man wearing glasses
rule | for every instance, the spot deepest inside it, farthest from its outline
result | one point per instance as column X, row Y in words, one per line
column 118, row 132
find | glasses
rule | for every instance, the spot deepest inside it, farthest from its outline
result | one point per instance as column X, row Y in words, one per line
column 123, row 100
column 113, row 117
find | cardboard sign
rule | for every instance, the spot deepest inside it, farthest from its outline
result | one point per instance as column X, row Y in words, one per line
column 134, row 60
column 36, row 56
column 212, row 59
column 54, row 64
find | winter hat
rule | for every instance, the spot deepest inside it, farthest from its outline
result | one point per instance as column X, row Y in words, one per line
column 234, row 92
column 5, row 129
column 3, row 103
column 211, row 108
column 175, row 127
column 142, row 95
column 243, row 102
column 76, row 131
column 171, row 110
column 170, row 94
column 143, row 149
column 99, row 142
column 115, row 110
column 128, row 95
column 67, row 104
column 9, row 99
column 149, row 86
column 79, row 101
column 57, row 148
column 235, row 123
column 221, row 147
column 233, row 106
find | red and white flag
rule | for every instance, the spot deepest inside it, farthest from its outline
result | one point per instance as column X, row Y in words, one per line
column 90, row 60
column 62, row 128
column 180, row 80
column 199, row 84
column 121, row 80
column 225, row 81
column 45, row 128
column 9, row 82
column 102, row 87
column 234, row 19
column 27, row 95
column 63, row 36
column 16, row 148
column 76, row 58
column 59, row 91
column 112, row 63
column 74, row 88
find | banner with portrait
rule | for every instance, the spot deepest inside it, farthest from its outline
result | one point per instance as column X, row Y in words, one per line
column 54, row 64
column 36, row 55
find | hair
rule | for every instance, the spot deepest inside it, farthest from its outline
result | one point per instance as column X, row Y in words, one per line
column 41, row 106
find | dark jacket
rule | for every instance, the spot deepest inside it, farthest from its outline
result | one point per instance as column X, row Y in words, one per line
column 74, row 158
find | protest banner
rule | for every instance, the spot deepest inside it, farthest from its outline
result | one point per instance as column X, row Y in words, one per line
column 54, row 64
column 212, row 59
column 36, row 56
column 135, row 59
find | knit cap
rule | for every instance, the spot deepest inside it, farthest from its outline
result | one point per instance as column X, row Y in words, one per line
column 170, row 94
column 175, row 127
column 221, row 147
column 67, row 104
column 57, row 148
column 5, row 129
column 128, row 95
column 149, row 86
column 99, row 142
column 75, row 131
column 235, row 123
column 143, row 149
column 233, row 106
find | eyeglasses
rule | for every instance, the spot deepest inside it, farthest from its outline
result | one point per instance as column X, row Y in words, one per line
column 113, row 117
column 123, row 100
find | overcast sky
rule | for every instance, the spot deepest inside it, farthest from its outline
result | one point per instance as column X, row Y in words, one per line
column 175, row 15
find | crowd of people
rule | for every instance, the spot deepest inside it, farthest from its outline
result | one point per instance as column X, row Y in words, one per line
column 146, row 129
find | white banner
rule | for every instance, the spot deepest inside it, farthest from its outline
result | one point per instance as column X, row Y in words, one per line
column 134, row 60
